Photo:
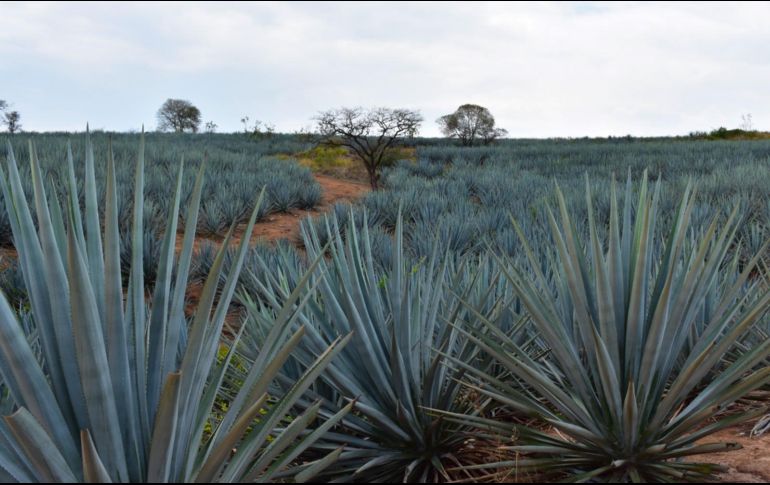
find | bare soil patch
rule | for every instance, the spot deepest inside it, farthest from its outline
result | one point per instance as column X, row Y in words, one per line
column 286, row 225
column 748, row 465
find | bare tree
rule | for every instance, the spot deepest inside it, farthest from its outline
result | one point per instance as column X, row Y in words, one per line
column 12, row 121
column 368, row 133
column 259, row 129
column 471, row 123
column 306, row 135
column 178, row 115
column 747, row 124
column 211, row 127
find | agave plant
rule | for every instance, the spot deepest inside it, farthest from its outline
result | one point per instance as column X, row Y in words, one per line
column 151, row 246
column 120, row 393
column 623, row 372
column 393, row 366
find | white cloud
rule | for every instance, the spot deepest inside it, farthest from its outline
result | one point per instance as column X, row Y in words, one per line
column 545, row 69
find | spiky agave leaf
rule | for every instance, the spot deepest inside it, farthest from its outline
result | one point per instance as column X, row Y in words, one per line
column 394, row 364
column 113, row 393
column 623, row 377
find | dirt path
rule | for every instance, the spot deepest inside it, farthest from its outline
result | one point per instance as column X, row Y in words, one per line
column 278, row 226
column 286, row 225
column 748, row 465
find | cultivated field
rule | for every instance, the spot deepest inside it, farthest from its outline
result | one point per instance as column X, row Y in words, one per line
column 215, row 307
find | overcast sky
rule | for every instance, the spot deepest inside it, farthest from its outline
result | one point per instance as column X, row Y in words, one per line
column 543, row 69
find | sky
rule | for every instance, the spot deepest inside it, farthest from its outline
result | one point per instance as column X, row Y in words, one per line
column 543, row 69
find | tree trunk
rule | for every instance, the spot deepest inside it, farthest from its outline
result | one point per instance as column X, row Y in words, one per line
column 373, row 179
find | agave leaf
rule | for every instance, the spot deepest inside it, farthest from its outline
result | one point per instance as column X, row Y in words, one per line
column 164, row 432
column 93, row 468
column 95, row 258
column 317, row 467
column 42, row 454
column 58, row 292
column 257, row 381
column 28, row 384
column 218, row 454
column 30, row 259
column 285, row 438
column 161, row 296
column 115, row 325
column 74, row 199
column 176, row 315
column 303, row 445
column 92, row 361
column 57, row 221
column 137, row 349
column 278, row 412
column 12, row 460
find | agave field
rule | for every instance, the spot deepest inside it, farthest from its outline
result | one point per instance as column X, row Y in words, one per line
column 577, row 310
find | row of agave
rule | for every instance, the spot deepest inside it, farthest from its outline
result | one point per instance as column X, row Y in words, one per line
column 571, row 158
column 465, row 206
column 116, row 388
column 627, row 344
column 227, row 198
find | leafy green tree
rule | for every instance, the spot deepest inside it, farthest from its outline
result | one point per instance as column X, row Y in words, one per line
column 179, row 115
column 471, row 124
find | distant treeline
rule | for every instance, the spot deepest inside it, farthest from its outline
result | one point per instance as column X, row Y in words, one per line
column 723, row 133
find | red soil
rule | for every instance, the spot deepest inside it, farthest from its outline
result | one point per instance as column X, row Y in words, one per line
column 278, row 226
column 286, row 225
column 748, row 465
column 281, row 225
